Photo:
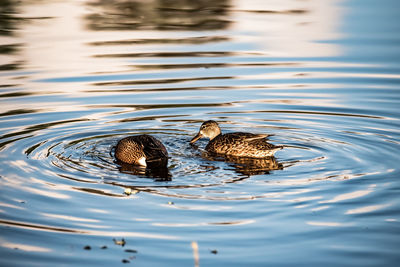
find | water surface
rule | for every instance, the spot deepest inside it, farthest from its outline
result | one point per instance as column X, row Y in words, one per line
column 322, row 77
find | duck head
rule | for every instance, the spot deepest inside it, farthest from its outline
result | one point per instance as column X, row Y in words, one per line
column 208, row 129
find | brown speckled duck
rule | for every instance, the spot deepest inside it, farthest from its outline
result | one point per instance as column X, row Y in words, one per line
column 237, row 144
column 141, row 150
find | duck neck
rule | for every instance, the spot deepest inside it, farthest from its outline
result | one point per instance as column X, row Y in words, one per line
column 215, row 136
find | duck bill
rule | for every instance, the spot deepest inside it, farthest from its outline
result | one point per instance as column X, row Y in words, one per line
column 197, row 137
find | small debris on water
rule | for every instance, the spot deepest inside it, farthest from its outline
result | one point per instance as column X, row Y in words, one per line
column 214, row 251
column 104, row 247
column 170, row 203
column 128, row 191
column 131, row 250
column 119, row 242
column 125, row 261
column 87, row 248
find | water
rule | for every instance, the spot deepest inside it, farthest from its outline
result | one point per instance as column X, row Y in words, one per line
column 322, row 76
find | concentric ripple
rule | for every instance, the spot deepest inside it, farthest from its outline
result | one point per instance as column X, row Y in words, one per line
column 311, row 154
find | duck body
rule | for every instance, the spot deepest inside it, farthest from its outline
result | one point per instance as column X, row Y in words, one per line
column 239, row 144
column 141, row 150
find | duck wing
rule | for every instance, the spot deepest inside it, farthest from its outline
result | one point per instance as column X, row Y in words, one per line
column 242, row 144
column 153, row 148
column 247, row 137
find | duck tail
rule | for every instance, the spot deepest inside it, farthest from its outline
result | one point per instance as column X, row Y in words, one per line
column 276, row 148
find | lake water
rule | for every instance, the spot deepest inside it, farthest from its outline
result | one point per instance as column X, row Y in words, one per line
column 322, row 76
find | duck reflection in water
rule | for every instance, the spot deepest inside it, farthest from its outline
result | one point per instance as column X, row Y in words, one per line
column 245, row 165
column 159, row 173
column 143, row 155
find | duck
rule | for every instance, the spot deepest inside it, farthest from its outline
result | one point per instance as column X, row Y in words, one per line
column 238, row 144
column 142, row 150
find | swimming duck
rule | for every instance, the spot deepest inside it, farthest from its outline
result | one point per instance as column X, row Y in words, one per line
column 141, row 150
column 237, row 144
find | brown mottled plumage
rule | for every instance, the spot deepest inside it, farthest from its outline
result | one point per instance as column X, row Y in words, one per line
column 141, row 150
column 237, row 144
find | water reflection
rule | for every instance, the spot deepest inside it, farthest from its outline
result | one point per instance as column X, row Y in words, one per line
column 247, row 166
column 7, row 17
column 24, row 247
column 294, row 28
column 159, row 173
column 8, row 24
column 172, row 54
column 160, row 81
column 108, row 233
column 368, row 209
column 180, row 15
column 187, row 40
